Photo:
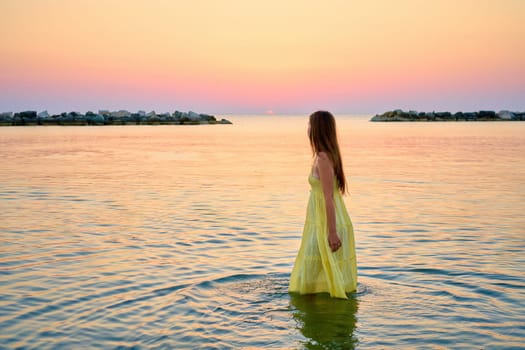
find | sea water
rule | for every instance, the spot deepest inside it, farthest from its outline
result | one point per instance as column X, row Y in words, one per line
column 185, row 236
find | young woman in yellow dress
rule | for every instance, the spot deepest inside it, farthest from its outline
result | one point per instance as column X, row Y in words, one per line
column 326, row 261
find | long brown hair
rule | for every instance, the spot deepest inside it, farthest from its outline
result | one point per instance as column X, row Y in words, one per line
column 323, row 138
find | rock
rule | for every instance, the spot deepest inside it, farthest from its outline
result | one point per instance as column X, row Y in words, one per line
column 42, row 117
column 506, row 115
column 65, row 118
column 469, row 116
column 25, row 118
column 187, row 121
column 207, row 117
column 136, row 118
column 6, row 118
column 51, row 120
column 17, row 119
column 72, row 118
column 28, row 114
column 224, row 121
column 443, row 115
column 403, row 117
column 486, row 115
column 94, row 119
column 121, row 114
column 166, row 119
column 193, row 116
column 519, row 116
column 43, row 114
column 459, row 116
column 153, row 119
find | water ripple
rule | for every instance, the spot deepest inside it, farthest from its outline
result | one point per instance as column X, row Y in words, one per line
column 165, row 237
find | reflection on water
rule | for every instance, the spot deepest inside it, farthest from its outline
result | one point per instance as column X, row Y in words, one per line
column 184, row 237
column 326, row 323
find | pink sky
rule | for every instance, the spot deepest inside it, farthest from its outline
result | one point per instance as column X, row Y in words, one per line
column 236, row 56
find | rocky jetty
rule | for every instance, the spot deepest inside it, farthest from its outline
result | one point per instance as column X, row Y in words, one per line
column 106, row 117
column 399, row 115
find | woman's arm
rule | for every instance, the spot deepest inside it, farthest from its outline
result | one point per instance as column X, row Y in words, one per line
column 326, row 175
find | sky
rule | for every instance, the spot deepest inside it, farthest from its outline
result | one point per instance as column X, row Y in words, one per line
column 256, row 57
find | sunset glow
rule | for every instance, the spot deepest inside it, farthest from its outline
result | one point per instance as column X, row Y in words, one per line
column 237, row 56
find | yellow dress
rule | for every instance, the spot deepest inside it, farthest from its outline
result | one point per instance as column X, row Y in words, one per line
column 317, row 269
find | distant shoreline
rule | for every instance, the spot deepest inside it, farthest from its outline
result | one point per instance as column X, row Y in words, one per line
column 399, row 115
column 106, row 117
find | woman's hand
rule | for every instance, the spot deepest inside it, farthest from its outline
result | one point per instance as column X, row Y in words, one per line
column 334, row 242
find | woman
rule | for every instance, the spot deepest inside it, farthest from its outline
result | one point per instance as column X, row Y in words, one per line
column 326, row 261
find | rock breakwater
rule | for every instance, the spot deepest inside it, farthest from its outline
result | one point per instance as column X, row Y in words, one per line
column 399, row 115
column 106, row 117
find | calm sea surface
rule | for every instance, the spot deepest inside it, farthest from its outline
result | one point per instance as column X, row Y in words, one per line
column 184, row 236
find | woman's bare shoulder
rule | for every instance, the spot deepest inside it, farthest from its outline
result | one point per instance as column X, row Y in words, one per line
column 324, row 164
column 322, row 155
column 324, row 158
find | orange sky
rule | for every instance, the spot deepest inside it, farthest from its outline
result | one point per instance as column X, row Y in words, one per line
column 239, row 56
